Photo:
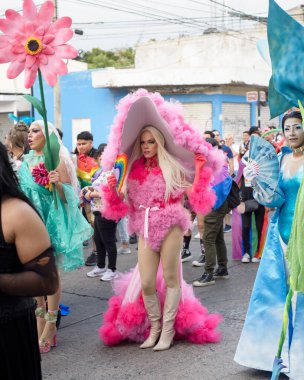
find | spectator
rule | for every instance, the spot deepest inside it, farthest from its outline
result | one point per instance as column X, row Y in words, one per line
column 27, row 269
column 104, row 229
column 245, row 145
column 226, row 150
column 86, row 167
column 215, row 246
column 208, row 135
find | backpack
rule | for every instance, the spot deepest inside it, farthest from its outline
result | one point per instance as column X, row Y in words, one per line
column 233, row 198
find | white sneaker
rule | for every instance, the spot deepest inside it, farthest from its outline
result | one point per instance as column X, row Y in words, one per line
column 197, row 236
column 256, row 259
column 108, row 276
column 123, row 250
column 96, row 272
column 246, row 258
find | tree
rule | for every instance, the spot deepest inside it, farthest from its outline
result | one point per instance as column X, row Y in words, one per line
column 98, row 58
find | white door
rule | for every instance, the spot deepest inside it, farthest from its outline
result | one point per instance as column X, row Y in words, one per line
column 236, row 119
column 79, row 125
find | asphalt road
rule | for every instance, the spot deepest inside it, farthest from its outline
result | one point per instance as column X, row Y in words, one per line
column 81, row 355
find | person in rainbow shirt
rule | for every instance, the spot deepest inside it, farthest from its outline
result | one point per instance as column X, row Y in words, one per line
column 86, row 167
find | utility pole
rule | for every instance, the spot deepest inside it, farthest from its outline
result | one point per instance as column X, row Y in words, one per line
column 57, row 100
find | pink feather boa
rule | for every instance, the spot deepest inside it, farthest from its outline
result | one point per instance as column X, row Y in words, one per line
column 184, row 134
column 202, row 197
column 113, row 207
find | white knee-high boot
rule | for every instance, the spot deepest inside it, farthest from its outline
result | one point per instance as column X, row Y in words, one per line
column 170, row 311
column 152, row 306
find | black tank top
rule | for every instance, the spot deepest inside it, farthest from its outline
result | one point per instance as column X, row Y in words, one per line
column 11, row 307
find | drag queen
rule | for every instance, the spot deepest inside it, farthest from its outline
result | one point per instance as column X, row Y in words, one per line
column 167, row 159
column 261, row 333
column 66, row 225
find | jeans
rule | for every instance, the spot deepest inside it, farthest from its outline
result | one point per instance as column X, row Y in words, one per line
column 105, row 240
column 215, row 246
column 122, row 230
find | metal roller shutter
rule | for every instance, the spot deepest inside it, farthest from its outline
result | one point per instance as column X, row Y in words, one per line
column 265, row 116
column 5, row 125
column 199, row 115
column 235, row 120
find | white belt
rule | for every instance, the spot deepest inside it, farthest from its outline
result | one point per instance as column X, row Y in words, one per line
column 146, row 225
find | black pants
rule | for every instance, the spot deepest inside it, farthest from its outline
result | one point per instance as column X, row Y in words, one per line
column 246, row 221
column 105, row 240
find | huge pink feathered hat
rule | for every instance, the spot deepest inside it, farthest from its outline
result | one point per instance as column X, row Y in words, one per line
column 142, row 108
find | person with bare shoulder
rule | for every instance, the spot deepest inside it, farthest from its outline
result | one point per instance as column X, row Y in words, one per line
column 27, row 269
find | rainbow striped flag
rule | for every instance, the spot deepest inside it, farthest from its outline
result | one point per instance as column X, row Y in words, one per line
column 86, row 167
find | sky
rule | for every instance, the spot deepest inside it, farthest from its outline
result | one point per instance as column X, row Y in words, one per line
column 115, row 24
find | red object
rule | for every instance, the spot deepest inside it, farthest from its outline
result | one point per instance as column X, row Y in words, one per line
column 40, row 174
column 112, row 182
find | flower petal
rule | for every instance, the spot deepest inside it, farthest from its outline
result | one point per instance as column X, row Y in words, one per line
column 18, row 49
column 62, row 22
column 14, row 17
column 6, row 55
column 48, row 74
column 30, row 61
column 48, row 38
column 4, row 41
column 66, row 51
column 29, row 27
column 14, row 69
column 46, row 14
column 29, row 10
column 62, row 36
column 47, row 49
column 30, row 76
column 39, row 31
column 6, row 27
column 43, row 59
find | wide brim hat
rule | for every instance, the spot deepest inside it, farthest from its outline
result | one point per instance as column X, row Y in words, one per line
column 142, row 108
column 143, row 113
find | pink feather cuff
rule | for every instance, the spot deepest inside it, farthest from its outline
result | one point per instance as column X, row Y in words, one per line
column 113, row 207
column 202, row 198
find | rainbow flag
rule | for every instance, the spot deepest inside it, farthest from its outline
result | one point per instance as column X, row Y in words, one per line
column 86, row 167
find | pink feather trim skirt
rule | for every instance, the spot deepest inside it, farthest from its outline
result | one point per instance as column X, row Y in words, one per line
column 126, row 318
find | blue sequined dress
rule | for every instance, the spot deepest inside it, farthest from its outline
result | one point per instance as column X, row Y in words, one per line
column 261, row 332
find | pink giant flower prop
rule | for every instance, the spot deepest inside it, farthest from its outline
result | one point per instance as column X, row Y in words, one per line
column 32, row 41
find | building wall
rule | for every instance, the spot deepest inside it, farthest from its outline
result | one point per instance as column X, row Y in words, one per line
column 79, row 100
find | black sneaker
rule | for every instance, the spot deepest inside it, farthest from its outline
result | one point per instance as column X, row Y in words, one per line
column 91, row 260
column 133, row 239
column 200, row 262
column 205, row 280
column 186, row 255
column 227, row 228
column 221, row 273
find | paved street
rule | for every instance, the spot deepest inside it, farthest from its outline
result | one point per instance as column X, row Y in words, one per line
column 81, row 355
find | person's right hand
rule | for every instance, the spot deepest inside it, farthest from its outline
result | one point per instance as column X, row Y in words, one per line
column 112, row 182
column 251, row 171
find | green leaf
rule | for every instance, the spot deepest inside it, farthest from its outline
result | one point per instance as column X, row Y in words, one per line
column 35, row 102
column 302, row 111
column 52, row 160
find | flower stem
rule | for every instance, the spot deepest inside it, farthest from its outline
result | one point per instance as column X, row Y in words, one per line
column 47, row 138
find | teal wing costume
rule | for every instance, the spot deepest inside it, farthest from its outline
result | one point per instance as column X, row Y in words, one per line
column 66, row 225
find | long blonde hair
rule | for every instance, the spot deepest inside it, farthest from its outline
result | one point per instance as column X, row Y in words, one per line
column 173, row 172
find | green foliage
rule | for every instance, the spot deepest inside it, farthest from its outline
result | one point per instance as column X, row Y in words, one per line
column 35, row 102
column 98, row 58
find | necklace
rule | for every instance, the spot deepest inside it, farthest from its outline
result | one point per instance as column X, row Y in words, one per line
column 299, row 150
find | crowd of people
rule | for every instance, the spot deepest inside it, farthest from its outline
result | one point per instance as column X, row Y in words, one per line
column 171, row 181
